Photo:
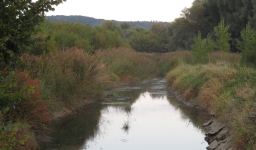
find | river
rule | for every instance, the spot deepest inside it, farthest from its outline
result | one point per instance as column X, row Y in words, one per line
column 139, row 116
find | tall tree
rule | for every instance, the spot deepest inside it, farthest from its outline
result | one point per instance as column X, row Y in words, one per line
column 161, row 30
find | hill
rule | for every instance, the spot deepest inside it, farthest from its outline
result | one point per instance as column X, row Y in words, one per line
column 96, row 22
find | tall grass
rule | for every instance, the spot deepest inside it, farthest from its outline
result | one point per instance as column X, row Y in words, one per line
column 127, row 65
column 171, row 60
column 68, row 77
column 224, row 89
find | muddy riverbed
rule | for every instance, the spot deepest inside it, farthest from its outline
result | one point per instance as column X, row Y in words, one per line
column 139, row 116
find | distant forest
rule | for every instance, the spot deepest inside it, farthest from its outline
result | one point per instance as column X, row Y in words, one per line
column 97, row 22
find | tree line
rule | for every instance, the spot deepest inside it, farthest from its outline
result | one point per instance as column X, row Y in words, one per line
column 204, row 15
column 64, row 35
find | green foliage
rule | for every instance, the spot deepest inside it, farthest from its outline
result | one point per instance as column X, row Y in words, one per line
column 201, row 48
column 204, row 15
column 129, row 65
column 127, row 33
column 180, row 34
column 18, row 20
column 125, row 25
column 16, row 136
column 198, row 17
column 8, row 139
column 248, row 46
column 111, row 26
column 161, row 30
column 222, row 37
column 146, row 41
column 66, row 35
column 43, row 47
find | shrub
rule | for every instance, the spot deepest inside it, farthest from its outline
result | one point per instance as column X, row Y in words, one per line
column 33, row 109
column 128, row 64
column 21, row 99
column 68, row 77
column 17, row 136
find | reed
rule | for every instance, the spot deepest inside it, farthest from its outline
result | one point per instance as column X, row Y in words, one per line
column 127, row 65
column 69, row 77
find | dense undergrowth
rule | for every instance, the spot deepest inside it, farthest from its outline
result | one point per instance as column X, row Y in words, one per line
column 226, row 89
column 67, row 76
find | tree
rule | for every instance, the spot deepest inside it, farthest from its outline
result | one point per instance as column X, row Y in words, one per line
column 222, row 37
column 132, row 29
column 248, row 46
column 111, row 26
column 146, row 41
column 125, row 25
column 18, row 21
column 202, row 47
column 161, row 30
column 181, row 33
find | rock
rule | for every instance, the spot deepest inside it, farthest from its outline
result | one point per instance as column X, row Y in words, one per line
column 224, row 145
column 222, row 134
column 215, row 128
column 207, row 123
column 213, row 145
column 221, row 147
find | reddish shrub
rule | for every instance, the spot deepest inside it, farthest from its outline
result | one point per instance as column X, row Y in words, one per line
column 33, row 109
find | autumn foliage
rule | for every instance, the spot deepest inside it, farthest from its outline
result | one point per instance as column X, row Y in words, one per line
column 33, row 110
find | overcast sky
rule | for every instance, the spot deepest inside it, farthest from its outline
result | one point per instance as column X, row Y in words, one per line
column 120, row 10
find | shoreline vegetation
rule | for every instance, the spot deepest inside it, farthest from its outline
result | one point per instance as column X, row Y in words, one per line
column 48, row 69
column 226, row 90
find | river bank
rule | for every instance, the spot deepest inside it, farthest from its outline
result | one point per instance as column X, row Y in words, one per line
column 224, row 90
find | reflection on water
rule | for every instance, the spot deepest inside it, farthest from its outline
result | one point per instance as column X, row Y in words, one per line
column 137, row 117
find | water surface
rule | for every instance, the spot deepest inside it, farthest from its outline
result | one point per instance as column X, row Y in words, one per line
column 139, row 116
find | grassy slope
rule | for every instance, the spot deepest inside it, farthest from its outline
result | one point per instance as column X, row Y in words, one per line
column 227, row 90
